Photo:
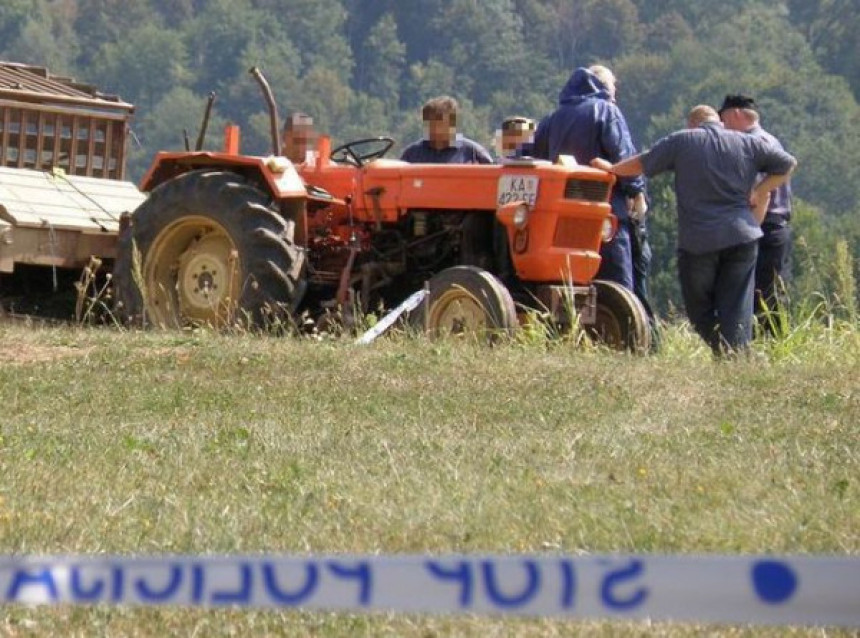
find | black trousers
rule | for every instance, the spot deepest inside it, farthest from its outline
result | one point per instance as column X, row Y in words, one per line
column 772, row 271
column 640, row 253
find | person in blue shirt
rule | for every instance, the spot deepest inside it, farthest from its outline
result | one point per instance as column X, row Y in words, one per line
column 516, row 137
column 773, row 266
column 588, row 124
column 721, row 204
column 442, row 144
column 482, row 243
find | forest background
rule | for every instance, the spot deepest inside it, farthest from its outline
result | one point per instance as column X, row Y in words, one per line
column 364, row 67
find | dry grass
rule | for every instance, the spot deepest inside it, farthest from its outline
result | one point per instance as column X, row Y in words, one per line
column 158, row 442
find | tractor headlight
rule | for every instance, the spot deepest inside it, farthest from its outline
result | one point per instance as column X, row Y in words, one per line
column 607, row 232
column 521, row 216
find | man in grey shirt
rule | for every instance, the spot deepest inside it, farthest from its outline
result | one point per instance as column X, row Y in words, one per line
column 720, row 211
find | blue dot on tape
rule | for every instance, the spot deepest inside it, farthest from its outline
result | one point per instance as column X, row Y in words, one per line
column 774, row 582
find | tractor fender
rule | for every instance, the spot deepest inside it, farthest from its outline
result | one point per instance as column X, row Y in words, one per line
column 278, row 173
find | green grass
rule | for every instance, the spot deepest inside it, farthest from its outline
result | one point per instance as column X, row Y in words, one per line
column 127, row 442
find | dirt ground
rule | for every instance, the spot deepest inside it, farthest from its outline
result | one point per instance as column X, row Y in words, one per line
column 22, row 353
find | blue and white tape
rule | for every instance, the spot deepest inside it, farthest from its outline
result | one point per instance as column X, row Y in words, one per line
column 407, row 305
column 803, row 590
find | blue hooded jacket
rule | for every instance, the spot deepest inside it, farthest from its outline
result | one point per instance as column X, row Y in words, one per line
column 588, row 124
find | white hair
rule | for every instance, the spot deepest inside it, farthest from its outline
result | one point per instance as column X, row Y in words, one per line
column 606, row 77
column 603, row 73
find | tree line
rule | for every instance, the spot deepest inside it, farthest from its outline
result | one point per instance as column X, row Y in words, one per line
column 363, row 68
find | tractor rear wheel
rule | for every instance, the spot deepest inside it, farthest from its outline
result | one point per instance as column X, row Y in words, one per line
column 208, row 248
column 467, row 300
column 621, row 322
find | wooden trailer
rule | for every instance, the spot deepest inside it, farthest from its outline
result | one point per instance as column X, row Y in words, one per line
column 62, row 169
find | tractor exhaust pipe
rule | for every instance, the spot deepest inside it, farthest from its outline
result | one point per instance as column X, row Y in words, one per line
column 201, row 137
column 273, row 110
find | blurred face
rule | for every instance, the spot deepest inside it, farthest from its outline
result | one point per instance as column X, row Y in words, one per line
column 298, row 140
column 733, row 119
column 514, row 138
column 440, row 132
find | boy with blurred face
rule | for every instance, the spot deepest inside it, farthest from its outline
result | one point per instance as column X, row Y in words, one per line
column 441, row 143
column 299, row 137
column 441, row 127
column 517, row 136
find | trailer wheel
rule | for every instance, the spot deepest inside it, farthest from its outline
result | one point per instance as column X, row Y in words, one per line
column 467, row 300
column 208, row 248
column 621, row 322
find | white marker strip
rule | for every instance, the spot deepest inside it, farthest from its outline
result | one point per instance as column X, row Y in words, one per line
column 407, row 305
column 803, row 590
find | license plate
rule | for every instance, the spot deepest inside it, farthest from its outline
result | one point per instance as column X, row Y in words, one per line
column 518, row 188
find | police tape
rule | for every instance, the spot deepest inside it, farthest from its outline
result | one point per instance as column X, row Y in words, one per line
column 407, row 305
column 804, row 590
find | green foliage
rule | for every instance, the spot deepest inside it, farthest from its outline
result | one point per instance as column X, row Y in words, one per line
column 144, row 65
column 317, row 27
column 179, row 110
column 831, row 27
column 825, row 270
column 384, row 58
column 217, row 40
column 665, row 290
column 13, row 18
column 101, row 22
column 486, row 48
column 429, row 79
column 43, row 35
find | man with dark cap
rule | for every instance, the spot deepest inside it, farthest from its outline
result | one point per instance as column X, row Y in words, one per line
column 588, row 124
column 719, row 196
column 773, row 267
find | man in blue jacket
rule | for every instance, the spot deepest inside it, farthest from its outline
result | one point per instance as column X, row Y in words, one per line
column 587, row 124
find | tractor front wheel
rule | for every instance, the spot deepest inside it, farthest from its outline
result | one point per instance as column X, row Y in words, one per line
column 467, row 300
column 621, row 322
column 208, row 248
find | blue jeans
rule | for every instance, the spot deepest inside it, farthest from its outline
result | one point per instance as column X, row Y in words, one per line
column 616, row 262
column 718, row 294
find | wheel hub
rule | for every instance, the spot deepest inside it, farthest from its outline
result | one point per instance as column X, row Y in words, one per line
column 192, row 274
column 203, row 277
column 457, row 312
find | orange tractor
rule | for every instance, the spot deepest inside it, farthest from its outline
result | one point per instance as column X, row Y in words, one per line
column 225, row 237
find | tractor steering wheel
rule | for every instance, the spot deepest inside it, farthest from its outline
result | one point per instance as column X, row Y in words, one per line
column 352, row 153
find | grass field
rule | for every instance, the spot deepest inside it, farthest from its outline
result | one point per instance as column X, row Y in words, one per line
column 122, row 442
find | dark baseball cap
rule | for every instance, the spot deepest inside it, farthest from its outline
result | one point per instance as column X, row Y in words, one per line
column 737, row 102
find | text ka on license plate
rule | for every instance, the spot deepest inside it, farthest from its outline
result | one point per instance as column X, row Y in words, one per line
column 518, row 188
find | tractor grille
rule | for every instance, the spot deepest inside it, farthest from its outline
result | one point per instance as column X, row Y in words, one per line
column 574, row 233
column 588, row 190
